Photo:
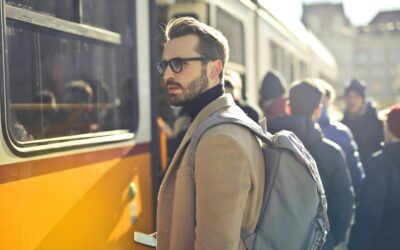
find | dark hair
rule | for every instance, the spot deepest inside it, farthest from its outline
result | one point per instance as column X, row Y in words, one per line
column 78, row 91
column 305, row 96
column 357, row 86
column 212, row 43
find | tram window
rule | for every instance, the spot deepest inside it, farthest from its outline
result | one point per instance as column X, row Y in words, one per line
column 65, row 9
column 277, row 57
column 234, row 31
column 60, row 84
column 303, row 69
column 287, row 66
column 113, row 15
column 274, row 55
column 291, row 61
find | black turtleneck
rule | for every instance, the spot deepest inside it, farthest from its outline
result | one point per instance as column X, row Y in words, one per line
column 194, row 106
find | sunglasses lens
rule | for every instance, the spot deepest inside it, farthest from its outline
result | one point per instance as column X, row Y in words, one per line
column 161, row 67
column 176, row 65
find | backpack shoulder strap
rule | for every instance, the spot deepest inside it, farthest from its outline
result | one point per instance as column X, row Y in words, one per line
column 226, row 117
column 232, row 118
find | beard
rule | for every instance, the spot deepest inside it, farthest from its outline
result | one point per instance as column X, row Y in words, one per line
column 194, row 89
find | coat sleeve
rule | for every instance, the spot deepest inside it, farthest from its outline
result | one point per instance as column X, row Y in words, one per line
column 370, row 209
column 379, row 133
column 222, row 179
column 340, row 199
column 355, row 166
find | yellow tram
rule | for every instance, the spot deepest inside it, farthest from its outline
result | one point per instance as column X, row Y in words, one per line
column 76, row 164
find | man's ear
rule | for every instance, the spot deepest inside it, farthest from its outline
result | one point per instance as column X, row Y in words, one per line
column 317, row 113
column 288, row 108
column 215, row 69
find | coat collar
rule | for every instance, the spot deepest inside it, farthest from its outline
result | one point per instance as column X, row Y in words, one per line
column 221, row 102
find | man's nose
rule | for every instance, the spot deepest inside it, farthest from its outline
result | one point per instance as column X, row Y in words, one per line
column 168, row 73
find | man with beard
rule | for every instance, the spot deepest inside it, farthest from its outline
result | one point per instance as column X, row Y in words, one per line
column 205, row 206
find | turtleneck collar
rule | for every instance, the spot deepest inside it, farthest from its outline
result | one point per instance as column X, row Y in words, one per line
column 194, row 106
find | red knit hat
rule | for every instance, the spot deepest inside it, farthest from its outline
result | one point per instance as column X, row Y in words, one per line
column 393, row 120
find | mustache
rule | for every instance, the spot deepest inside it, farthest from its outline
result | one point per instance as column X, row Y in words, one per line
column 171, row 82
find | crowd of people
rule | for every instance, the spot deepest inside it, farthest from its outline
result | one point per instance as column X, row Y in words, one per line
column 206, row 206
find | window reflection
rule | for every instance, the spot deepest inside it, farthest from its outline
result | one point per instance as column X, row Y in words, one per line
column 64, row 9
column 61, row 85
column 113, row 15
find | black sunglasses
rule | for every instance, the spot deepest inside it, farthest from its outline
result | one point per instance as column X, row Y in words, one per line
column 176, row 63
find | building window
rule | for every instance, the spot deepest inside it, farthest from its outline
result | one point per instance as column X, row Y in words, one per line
column 315, row 24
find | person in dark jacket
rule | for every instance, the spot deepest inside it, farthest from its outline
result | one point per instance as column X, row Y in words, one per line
column 340, row 134
column 233, row 85
column 377, row 221
column 362, row 119
column 305, row 107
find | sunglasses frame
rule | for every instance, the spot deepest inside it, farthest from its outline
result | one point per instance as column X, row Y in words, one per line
column 163, row 65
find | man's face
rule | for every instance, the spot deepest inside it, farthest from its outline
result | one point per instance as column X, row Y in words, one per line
column 192, row 80
column 354, row 102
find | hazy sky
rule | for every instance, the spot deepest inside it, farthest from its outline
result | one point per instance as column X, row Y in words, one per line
column 359, row 12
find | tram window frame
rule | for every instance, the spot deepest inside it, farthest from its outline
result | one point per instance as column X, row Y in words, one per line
column 303, row 69
column 79, row 33
column 237, row 43
column 274, row 55
column 234, row 39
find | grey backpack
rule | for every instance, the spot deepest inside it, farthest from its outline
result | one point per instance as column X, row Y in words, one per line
column 294, row 209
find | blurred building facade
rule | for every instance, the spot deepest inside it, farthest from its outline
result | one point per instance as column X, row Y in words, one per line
column 370, row 52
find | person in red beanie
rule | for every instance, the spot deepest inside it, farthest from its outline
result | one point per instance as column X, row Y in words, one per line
column 393, row 123
column 273, row 95
column 377, row 220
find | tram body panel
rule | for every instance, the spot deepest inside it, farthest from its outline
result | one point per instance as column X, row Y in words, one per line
column 70, row 203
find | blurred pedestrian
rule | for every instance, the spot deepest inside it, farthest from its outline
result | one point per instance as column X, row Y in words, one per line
column 362, row 119
column 340, row 134
column 377, row 221
column 305, row 108
column 233, row 86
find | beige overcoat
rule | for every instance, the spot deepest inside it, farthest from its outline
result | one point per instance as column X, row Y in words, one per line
column 205, row 208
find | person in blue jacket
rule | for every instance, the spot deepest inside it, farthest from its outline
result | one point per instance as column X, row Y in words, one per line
column 341, row 135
